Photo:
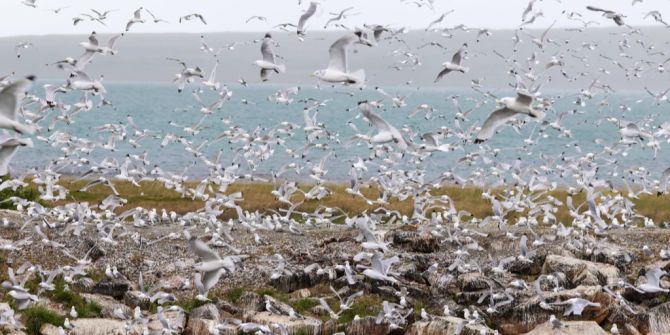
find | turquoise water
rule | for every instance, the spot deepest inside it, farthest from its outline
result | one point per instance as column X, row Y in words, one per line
column 154, row 105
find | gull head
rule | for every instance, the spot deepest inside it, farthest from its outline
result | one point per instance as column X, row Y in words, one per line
column 318, row 73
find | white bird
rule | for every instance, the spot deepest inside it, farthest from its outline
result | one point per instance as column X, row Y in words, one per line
column 454, row 65
column 137, row 18
column 387, row 133
column 576, row 306
column 211, row 265
column 338, row 66
column 193, row 16
column 8, row 149
column 10, row 99
column 305, row 16
column 522, row 104
column 268, row 63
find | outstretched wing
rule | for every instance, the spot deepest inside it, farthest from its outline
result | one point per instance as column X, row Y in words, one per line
column 338, row 53
column 493, row 122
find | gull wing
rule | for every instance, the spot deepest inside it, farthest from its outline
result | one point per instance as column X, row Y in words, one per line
column 375, row 119
column 201, row 249
column 456, row 59
column 266, row 50
column 493, row 122
column 524, row 98
column 11, row 95
column 338, row 53
column 304, row 17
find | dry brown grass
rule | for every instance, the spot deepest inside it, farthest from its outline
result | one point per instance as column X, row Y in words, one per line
column 258, row 197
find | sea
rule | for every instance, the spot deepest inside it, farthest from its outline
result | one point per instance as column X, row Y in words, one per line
column 159, row 108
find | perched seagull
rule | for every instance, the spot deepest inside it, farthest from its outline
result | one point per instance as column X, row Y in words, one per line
column 510, row 108
column 10, row 99
column 454, row 65
column 268, row 63
column 338, row 67
column 616, row 17
column 305, row 16
column 137, row 18
column 193, row 16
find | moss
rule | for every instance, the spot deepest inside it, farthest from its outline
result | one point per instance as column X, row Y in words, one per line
column 234, row 295
column 304, row 305
column 367, row 305
column 281, row 296
column 190, row 304
column 29, row 193
column 72, row 299
column 35, row 317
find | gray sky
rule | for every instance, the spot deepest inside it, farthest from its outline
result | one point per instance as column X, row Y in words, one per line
column 230, row 15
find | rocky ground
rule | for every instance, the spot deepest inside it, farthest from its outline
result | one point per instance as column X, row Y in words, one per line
column 581, row 268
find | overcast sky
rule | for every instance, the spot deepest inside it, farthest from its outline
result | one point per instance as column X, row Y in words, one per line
column 230, row 15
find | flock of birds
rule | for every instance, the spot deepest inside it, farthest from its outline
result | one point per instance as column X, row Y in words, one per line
column 395, row 164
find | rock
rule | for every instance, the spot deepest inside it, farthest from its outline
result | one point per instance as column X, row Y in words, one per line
column 227, row 308
column 473, row 281
column 612, row 254
column 136, row 298
column 94, row 327
column 529, row 267
column 367, row 326
column 251, row 302
column 297, row 280
column 95, row 250
column 526, row 315
column 580, row 272
column 197, row 326
column 301, row 294
column 112, row 287
column 659, row 319
column 569, row 328
column 446, row 325
column 413, row 240
column 107, row 305
column 176, row 319
column 207, row 311
column 306, row 325
column 84, row 284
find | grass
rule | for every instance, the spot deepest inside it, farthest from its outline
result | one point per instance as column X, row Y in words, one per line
column 367, row 305
column 258, row 197
column 36, row 316
column 304, row 305
column 234, row 295
column 71, row 299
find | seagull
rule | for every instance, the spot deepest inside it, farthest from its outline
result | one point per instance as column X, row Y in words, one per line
column 29, row 3
column 256, row 17
column 10, row 98
column 576, row 306
column 338, row 16
column 510, row 108
column 8, row 149
column 454, row 65
column 616, row 17
column 268, row 63
column 193, row 16
column 338, row 67
column 439, row 19
column 305, row 16
column 211, row 265
column 155, row 18
column 387, row 133
column 137, row 18
column 653, row 281
column 21, row 46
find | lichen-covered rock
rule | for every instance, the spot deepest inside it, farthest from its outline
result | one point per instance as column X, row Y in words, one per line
column 207, row 311
column 447, row 326
column 251, row 302
column 367, row 326
column 569, row 328
column 136, row 298
column 107, row 305
column 413, row 240
column 116, row 287
column 659, row 319
column 581, row 272
column 305, row 325
column 612, row 254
